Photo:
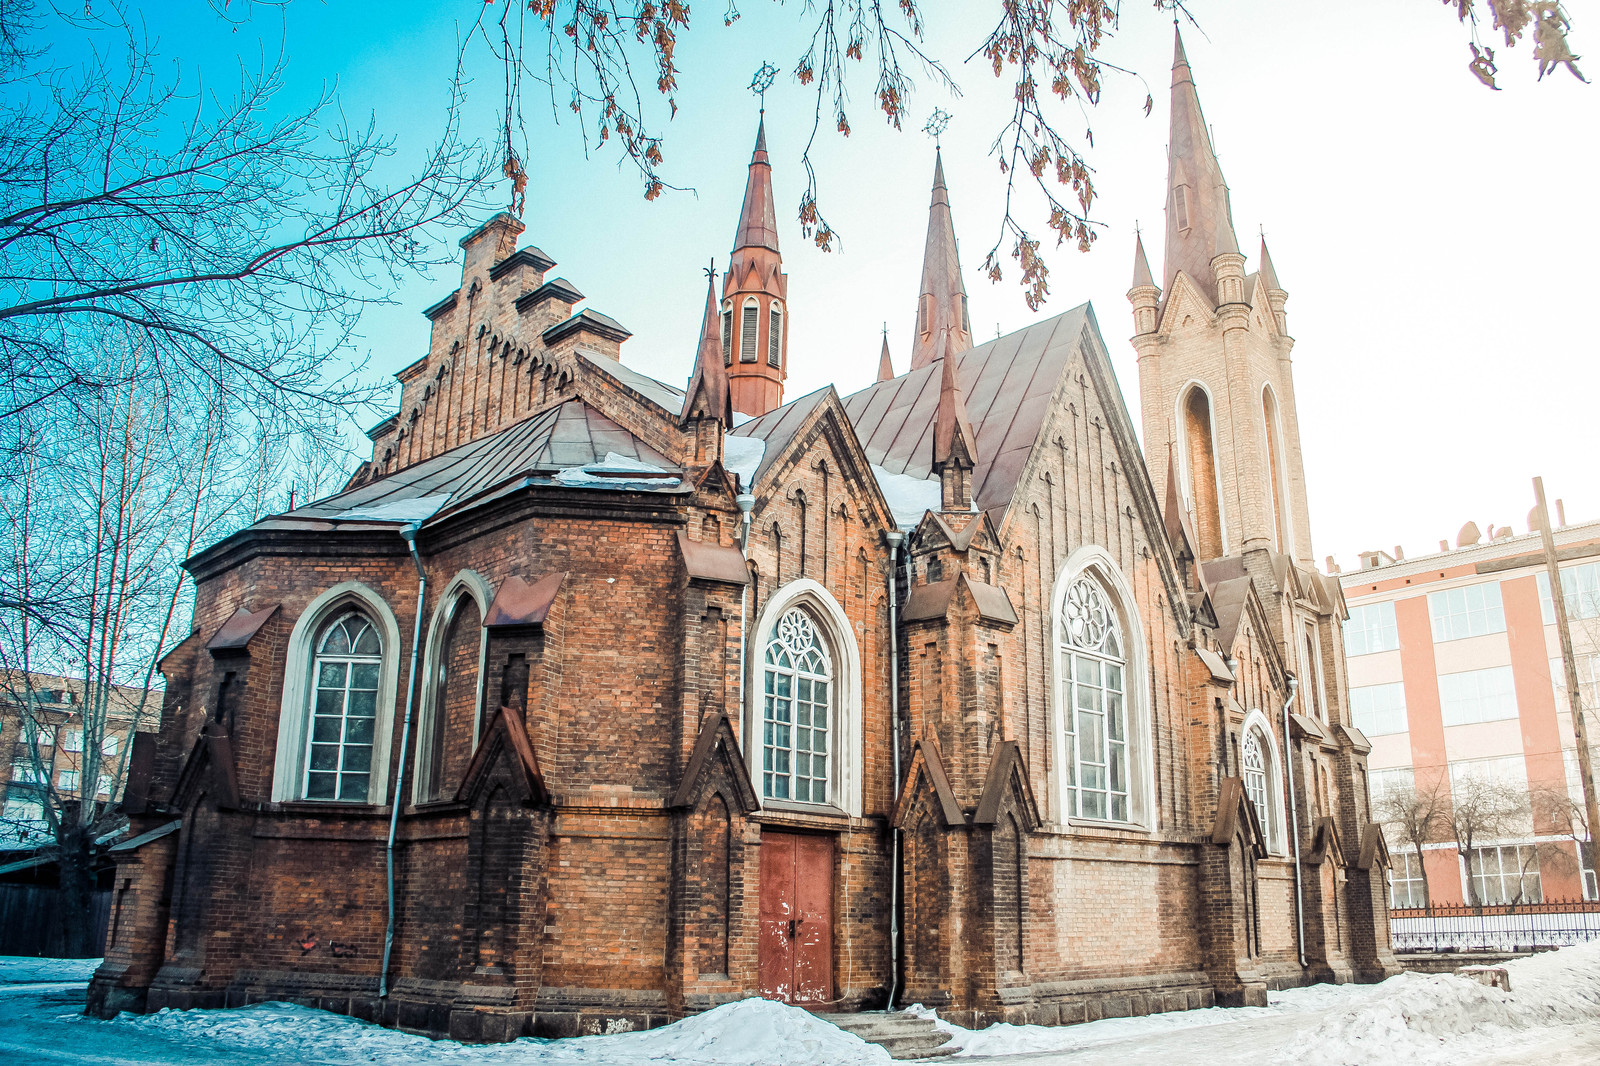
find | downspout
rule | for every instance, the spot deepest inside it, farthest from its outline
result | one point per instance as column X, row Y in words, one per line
column 747, row 504
column 1294, row 827
column 894, row 537
column 409, row 532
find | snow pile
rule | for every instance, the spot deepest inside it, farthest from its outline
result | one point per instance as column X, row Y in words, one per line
column 613, row 471
column 909, row 497
column 749, row 1031
column 20, row 970
column 742, row 456
column 1431, row 1019
column 1003, row 1038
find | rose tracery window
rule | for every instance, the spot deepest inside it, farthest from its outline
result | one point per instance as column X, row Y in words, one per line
column 344, row 710
column 796, row 715
column 1093, row 673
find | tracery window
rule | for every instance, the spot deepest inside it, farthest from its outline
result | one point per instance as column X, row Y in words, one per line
column 344, row 709
column 1255, row 774
column 797, row 711
column 1093, row 672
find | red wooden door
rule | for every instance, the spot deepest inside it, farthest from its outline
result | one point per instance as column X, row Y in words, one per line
column 796, row 949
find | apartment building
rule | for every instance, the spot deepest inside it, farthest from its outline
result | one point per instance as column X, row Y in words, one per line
column 1456, row 678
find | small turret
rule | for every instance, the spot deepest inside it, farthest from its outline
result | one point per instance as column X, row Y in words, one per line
column 1144, row 295
column 1276, row 297
column 1227, row 264
column 885, row 364
column 955, row 446
column 755, row 295
column 708, row 403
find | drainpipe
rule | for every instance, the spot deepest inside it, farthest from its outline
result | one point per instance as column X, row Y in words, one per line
column 1294, row 827
column 895, row 538
column 747, row 504
column 410, row 534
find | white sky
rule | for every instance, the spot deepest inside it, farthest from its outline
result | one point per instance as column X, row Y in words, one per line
column 1437, row 239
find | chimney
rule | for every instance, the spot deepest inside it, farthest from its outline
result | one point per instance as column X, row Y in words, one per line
column 1444, row 545
column 1399, row 553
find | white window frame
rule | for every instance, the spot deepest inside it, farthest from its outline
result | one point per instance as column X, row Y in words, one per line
column 838, row 633
column 1098, row 562
column 1272, row 819
column 1406, row 869
column 1466, row 611
column 1379, row 721
column 470, row 584
column 294, row 712
column 1503, row 873
column 1458, row 707
column 67, row 780
column 1364, row 636
column 790, row 685
column 1580, row 592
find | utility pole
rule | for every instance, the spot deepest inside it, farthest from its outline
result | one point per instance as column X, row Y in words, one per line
column 1569, row 662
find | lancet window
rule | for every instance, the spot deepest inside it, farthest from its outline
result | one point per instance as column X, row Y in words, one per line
column 1094, row 672
column 797, row 712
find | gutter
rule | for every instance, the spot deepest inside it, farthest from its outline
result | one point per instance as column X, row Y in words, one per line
column 1294, row 826
column 895, row 539
column 409, row 532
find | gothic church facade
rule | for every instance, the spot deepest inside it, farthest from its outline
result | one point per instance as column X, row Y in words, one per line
column 592, row 702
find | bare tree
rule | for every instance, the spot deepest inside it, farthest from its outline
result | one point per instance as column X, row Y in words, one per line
column 117, row 488
column 238, row 243
column 1418, row 816
column 1484, row 811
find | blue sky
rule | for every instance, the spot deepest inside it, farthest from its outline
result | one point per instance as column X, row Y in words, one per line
column 1436, row 238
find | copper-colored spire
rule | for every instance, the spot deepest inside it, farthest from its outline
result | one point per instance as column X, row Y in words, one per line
column 955, row 448
column 942, row 299
column 758, row 221
column 885, row 364
column 708, row 395
column 1142, row 278
column 1199, row 218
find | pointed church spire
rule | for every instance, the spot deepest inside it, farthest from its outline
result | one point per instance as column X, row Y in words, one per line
column 955, row 448
column 1199, row 218
column 1142, row 278
column 942, row 300
column 758, row 221
column 885, row 364
column 708, row 396
column 1269, row 276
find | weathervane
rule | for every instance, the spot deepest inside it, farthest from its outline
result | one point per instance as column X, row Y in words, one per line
column 936, row 124
column 762, row 82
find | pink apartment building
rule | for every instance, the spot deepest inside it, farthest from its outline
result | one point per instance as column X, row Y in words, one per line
column 1455, row 673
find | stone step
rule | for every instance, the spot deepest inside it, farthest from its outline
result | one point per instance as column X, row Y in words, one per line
column 902, row 1035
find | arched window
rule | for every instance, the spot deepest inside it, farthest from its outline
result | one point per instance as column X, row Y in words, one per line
column 1094, row 676
column 448, row 715
column 1262, row 783
column 344, row 709
column 1198, row 450
column 796, row 711
column 747, row 332
column 775, row 338
column 727, row 336
column 1276, row 490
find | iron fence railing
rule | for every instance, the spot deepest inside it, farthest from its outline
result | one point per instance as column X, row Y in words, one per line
column 1509, row 927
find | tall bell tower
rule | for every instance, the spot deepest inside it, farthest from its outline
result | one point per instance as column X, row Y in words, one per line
column 1215, row 381
column 755, row 297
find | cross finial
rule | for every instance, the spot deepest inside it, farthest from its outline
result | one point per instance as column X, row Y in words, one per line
column 711, row 271
column 762, row 82
column 936, row 124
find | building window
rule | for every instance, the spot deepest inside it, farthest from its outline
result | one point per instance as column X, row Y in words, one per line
column 1471, row 611
column 747, row 332
column 775, row 338
column 1092, row 670
column 109, row 745
column 24, row 810
column 727, row 337
column 1255, row 773
column 1580, row 591
column 1590, row 889
column 72, row 740
column 1180, row 205
column 1378, row 710
column 797, row 711
column 26, row 773
column 1505, row 874
column 1371, row 629
column 68, row 780
column 104, row 786
column 1477, row 696
column 344, row 710
column 1588, row 680
column 1316, row 696
column 1405, row 881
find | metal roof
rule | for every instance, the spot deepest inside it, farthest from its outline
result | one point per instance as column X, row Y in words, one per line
column 570, row 435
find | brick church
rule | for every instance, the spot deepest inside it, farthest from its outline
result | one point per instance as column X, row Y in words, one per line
column 592, row 702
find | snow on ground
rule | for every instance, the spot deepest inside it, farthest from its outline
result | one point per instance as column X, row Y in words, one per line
column 1551, row 1016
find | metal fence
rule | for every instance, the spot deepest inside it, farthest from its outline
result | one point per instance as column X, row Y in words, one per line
column 1522, row 927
